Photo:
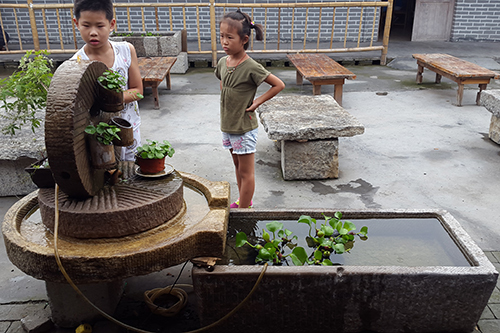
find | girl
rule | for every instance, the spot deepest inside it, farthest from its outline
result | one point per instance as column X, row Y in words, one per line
column 240, row 76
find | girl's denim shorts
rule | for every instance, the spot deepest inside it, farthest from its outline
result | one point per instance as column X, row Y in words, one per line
column 245, row 143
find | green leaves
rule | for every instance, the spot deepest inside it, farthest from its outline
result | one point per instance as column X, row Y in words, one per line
column 331, row 237
column 25, row 92
column 155, row 150
column 241, row 239
column 104, row 133
column 112, row 80
column 299, row 256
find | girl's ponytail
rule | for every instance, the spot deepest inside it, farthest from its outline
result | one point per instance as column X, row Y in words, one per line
column 259, row 31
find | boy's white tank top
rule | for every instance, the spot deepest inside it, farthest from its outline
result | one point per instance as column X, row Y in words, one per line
column 121, row 65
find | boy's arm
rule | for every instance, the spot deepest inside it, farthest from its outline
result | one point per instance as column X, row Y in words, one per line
column 276, row 86
column 134, row 79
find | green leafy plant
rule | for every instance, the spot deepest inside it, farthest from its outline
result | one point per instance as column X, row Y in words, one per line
column 104, row 133
column 155, row 150
column 28, row 87
column 150, row 34
column 122, row 34
column 331, row 237
column 112, row 80
column 44, row 164
column 274, row 248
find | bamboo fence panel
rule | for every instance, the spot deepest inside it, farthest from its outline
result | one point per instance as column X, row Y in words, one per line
column 282, row 28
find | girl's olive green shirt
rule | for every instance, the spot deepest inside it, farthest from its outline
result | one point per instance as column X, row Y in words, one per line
column 239, row 86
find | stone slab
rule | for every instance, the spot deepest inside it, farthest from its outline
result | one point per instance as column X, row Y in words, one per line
column 19, row 311
column 292, row 117
column 494, row 132
column 318, row 159
column 15, row 327
column 38, row 322
column 490, row 99
column 16, row 153
column 163, row 44
column 4, row 326
column 181, row 65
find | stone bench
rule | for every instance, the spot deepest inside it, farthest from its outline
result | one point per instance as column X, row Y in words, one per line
column 308, row 128
column 490, row 99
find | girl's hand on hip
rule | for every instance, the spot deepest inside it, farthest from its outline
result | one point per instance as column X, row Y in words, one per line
column 252, row 107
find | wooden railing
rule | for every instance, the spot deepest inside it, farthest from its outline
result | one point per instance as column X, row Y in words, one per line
column 343, row 21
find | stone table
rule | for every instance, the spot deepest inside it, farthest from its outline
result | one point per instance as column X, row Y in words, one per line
column 308, row 128
column 490, row 99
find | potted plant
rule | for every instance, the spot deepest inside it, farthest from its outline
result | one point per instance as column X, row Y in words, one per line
column 151, row 156
column 101, row 144
column 111, row 85
column 126, row 133
column 41, row 174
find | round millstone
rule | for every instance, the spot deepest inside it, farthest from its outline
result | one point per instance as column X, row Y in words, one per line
column 124, row 209
column 71, row 104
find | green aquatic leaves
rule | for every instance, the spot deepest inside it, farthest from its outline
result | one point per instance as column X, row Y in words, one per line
column 332, row 236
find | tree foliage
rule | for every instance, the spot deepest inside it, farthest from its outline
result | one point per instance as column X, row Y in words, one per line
column 25, row 92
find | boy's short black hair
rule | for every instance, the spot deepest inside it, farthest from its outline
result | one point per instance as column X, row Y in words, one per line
column 105, row 6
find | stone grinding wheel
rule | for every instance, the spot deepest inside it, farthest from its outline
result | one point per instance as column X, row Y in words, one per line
column 70, row 103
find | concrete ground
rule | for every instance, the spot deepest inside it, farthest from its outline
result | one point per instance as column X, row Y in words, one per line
column 419, row 150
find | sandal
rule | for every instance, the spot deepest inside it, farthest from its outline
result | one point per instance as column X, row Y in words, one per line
column 236, row 204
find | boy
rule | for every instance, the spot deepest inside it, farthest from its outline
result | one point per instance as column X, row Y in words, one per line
column 94, row 19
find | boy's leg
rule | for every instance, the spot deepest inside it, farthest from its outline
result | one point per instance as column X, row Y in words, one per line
column 246, row 173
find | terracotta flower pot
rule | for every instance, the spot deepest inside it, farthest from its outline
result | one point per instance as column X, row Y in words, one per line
column 126, row 133
column 109, row 100
column 150, row 166
column 103, row 156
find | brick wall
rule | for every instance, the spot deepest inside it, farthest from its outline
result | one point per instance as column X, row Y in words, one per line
column 476, row 20
column 204, row 21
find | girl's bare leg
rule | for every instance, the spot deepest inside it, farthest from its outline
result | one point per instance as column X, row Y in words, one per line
column 236, row 165
column 245, row 175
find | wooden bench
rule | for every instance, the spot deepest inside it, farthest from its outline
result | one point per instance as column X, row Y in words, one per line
column 153, row 71
column 320, row 69
column 308, row 128
column 455, row 69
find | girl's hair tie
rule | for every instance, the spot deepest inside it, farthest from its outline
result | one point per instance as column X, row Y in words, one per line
column 252, row 25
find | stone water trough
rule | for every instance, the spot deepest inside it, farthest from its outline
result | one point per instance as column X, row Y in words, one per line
column 426, row 297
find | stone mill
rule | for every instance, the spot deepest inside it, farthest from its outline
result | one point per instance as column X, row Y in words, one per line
column 107, row 231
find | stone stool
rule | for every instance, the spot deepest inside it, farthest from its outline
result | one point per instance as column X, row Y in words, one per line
column 308, row 128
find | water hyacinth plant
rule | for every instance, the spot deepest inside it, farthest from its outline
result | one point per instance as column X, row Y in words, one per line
column 333, row 236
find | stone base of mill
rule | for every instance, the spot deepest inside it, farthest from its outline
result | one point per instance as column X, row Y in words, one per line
column 69, row 309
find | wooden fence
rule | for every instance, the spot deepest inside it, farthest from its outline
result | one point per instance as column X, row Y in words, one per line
column 345, row 19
